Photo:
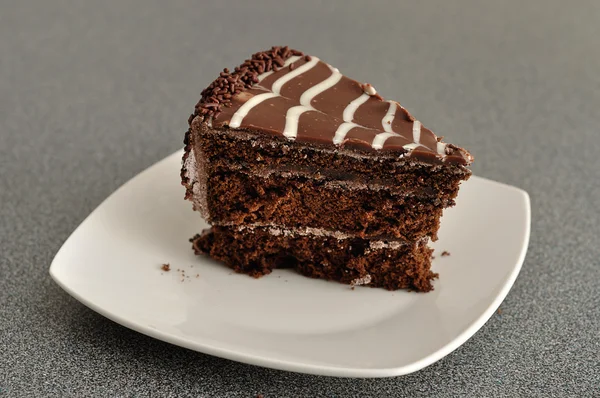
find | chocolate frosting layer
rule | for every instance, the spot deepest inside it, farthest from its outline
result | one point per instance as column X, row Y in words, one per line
column 283, row 93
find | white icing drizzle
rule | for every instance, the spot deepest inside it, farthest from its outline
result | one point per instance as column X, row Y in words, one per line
column 317, row 89
column 353, row 106
column 342, row 130
column 348, row 115
column 389, row 117
column 240, row 114
column 288, row 62
column 380, row 139
column 411, row 146
column 293, row 114
column 416, row 130
column 441, row 148
column 291, row 120
column 278, row 84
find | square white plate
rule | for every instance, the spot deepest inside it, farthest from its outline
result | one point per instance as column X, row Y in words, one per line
column 111, row 263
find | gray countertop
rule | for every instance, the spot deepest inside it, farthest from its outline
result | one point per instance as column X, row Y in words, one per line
column 91, row 93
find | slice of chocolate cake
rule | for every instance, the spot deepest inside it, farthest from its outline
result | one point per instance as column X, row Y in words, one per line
column 296, row 165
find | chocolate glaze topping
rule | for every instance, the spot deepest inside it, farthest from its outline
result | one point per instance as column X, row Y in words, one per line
column 283, row 92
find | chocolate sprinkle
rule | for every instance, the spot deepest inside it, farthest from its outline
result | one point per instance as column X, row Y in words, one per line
column 218, row 94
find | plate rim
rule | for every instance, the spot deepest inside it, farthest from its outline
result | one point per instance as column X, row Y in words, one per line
column 288, row 365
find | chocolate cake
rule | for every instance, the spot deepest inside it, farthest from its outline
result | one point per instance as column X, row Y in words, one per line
column 296, row 165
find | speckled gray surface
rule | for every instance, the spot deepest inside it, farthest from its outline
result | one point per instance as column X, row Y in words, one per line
column 91, row 93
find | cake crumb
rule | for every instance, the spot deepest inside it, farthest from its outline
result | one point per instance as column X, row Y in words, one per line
column 365, row 280
column 369, row 89
column 499, row 311
column 445, row 253
column 166, row 267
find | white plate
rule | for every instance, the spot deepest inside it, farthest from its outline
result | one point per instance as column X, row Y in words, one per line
column 111, row 263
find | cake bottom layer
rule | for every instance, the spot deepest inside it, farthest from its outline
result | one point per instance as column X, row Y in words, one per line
column 352, row 261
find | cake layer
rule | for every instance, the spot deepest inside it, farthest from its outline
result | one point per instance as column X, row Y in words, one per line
column 258, row 152
column 237, row 198
column 354, row 261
